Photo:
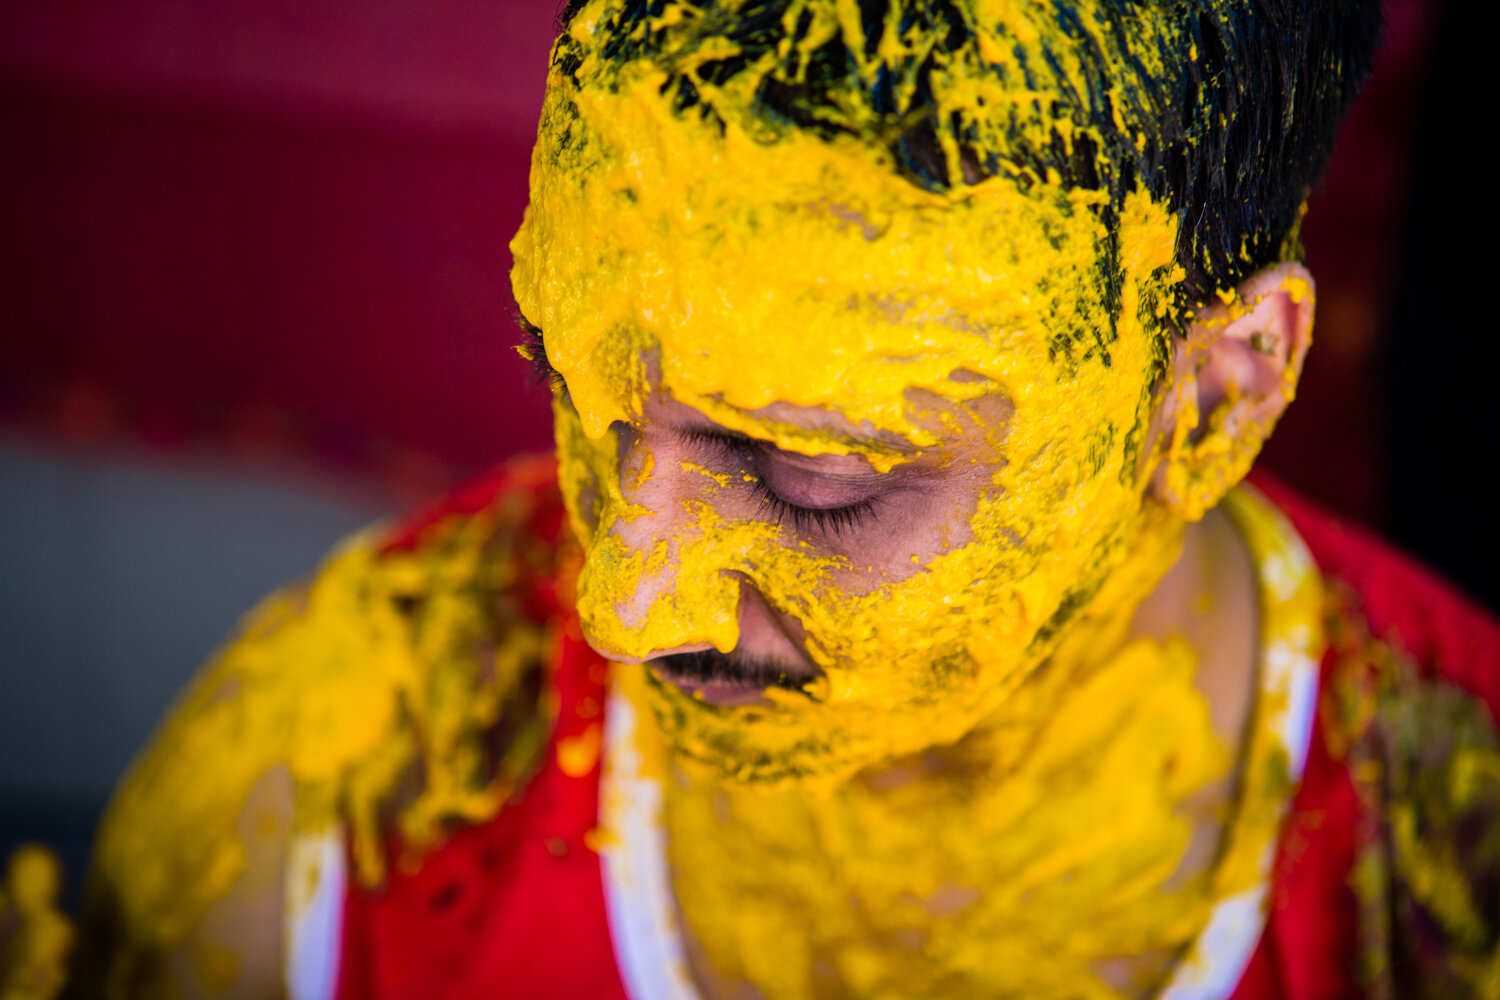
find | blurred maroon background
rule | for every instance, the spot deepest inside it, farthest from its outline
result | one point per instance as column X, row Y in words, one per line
column 273, row 224
column 270, row 225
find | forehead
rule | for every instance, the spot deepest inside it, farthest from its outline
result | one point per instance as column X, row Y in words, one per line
column 738, row 270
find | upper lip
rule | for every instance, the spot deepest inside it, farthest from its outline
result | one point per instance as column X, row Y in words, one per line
column 722, row 679
column 713, row 667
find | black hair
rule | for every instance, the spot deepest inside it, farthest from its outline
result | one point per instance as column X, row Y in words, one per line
column 1228, row 115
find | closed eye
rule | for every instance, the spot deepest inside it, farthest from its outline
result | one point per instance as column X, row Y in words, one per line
column 826, row 519
column 834, row 519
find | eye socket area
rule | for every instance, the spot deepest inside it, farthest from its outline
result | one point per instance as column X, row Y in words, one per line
column 829, row 493
column 796, row 489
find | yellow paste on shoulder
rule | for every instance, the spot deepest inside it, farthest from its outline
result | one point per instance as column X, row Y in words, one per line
column 376, row 686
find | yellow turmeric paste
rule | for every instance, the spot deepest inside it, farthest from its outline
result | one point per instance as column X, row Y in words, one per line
column 660, row 255
column 760, row 278
column 986, row 879
column 982, row 792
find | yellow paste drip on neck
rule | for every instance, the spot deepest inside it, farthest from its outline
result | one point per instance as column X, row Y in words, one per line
column 976, row 880
column 1016, row 863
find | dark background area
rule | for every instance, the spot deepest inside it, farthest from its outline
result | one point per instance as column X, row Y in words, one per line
column 253, row 294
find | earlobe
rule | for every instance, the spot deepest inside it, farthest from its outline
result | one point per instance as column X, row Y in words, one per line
column 1232, row 378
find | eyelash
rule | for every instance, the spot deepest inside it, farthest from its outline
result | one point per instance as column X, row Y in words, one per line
column 834, row 519
column 542, row 372
column 825, row 519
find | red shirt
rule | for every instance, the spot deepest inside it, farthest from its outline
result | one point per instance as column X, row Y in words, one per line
column 516, row 906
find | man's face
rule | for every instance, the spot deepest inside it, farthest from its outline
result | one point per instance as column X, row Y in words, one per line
column 882, row 447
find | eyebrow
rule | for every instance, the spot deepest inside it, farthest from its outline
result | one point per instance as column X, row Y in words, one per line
column 533, row 348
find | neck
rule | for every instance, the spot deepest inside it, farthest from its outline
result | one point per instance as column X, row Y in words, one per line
column 1070, row 834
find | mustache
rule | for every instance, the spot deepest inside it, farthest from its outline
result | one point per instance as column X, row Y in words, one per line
column 711, row 666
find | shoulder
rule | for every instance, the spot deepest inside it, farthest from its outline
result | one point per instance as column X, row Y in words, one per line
column 1385, row 875
column 1398, row 600
column 397, row 688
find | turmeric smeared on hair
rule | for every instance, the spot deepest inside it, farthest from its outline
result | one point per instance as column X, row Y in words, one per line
column 683, row 244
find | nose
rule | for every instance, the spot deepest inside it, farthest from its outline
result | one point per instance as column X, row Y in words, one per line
column 654, row 581
column 762, row 633
column 617, row 657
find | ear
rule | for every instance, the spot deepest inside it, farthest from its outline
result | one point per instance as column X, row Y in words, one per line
column 1232, row 377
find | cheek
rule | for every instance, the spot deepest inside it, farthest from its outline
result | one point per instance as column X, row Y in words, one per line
column 966, row 623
